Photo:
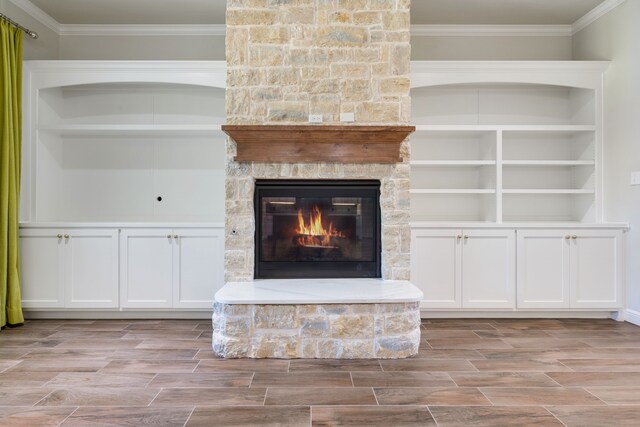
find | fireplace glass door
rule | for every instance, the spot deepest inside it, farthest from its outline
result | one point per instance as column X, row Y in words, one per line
column 317, row 228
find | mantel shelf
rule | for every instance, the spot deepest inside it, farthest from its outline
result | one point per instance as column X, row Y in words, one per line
column 313, row 143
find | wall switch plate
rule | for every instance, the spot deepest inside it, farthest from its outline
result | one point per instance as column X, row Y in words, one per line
column 635, row 178
column 315, row 118
column 347, row 117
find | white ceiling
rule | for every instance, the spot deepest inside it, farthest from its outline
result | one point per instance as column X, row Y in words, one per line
column 440, row 12
column 156, row 12
column 499, row 12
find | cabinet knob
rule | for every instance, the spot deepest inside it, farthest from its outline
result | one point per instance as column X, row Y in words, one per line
column 459, row 236
column 59, row 236
column 574, row 237
column 168, row 236
column 175, row 236
column 567, row 237
column 66, row 236
column 466, row 237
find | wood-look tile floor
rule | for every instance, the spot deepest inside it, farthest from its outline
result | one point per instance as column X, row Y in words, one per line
column 475, row 372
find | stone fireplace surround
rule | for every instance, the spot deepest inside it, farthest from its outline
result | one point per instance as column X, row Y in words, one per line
column 286, row 60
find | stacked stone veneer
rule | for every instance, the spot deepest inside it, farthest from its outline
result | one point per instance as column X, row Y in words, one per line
column 316, row 331
column 287, row 59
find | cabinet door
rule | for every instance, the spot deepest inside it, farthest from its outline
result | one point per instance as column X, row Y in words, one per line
column 488, row 264
column 435, row 267
column 596, row 269
column 198, row 267
column 91, row 268
column 42, row 268
column 146, row 268
column 543, row 268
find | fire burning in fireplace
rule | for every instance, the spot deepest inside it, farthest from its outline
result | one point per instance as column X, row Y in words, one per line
column 314, row 234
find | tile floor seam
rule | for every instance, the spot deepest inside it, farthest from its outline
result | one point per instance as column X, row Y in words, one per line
column 601, row 400
column 375, row 395
column 189, row 417
column 155, row 397
column 432, row 416
column 485, row 396
column 70, row 414
column 545, row 407
column 253, row 374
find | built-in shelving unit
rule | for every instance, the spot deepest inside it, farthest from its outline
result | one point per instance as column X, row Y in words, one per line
column 506, row 141
column 118, row 141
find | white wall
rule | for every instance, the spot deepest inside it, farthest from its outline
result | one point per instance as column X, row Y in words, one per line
column 142, row 47
column 45, row 47
column 490, row 48
column 616, row 37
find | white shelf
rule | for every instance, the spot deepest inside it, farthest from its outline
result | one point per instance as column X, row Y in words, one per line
column 124, row 129
column 506, row 128
column 452, row 191
column 452, row 163
column 548, row 162
column 548, row 191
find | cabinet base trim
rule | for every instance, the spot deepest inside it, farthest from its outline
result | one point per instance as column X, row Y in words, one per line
column 441, row 314
column 128, row 314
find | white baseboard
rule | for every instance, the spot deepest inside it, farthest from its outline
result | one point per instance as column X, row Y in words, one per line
column 632, row 316
column 103, row 315
column 431, row 314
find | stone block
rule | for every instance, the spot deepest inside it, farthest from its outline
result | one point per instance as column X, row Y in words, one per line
column 397, row 347
column 275, row 317
column 265, row 55
column 248, row 16
column 341, row 36
column 269, row 34
column 235, row 326
column 317, row 326
column 280, row 347
column 230, row 347
column 352, row 326
column 398, row 324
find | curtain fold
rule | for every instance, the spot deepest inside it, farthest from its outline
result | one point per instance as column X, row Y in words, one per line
column 10, row 157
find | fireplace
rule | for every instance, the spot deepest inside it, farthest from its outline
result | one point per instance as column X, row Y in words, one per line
column 317, row 229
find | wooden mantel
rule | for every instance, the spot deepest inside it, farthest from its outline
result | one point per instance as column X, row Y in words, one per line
column 317, row 143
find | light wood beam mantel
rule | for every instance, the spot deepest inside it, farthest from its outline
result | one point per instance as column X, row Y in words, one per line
column 313, row 143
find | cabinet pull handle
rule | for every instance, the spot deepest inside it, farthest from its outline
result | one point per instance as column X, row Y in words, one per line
column 66, row 236
column 567, row 237
column 574, row 237
column 59, row 236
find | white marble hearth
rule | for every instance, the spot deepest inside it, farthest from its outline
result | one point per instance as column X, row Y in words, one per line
column 317, row 318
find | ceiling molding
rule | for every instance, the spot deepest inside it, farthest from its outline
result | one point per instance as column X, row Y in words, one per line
column 38, row 14
column 594, row 14
column 416, row 30
column 141, row 30
column 491, row 30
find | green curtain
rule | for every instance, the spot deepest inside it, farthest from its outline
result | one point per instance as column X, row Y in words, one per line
column 10, row 147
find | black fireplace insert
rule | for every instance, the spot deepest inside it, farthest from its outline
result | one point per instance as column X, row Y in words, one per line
column 317, row 229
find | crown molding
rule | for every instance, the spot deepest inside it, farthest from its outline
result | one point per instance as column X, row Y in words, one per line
column 38, row 14
column 491, row 30
column 416, row 30
column 594, row 14
column 142, row 30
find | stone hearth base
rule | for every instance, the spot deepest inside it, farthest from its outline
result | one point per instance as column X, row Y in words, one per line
column 327, row 331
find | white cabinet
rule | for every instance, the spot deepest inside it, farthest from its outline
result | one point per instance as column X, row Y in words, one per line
column 69, row 268
column 570, row 268
column 170, row 268
column 436, row 257
column 464, row 268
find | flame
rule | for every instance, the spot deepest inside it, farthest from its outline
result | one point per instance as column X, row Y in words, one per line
column 315, row 234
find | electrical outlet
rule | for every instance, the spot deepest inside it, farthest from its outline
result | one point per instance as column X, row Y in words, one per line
column 635, row 178
column 347, row 117
column 315, row 118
